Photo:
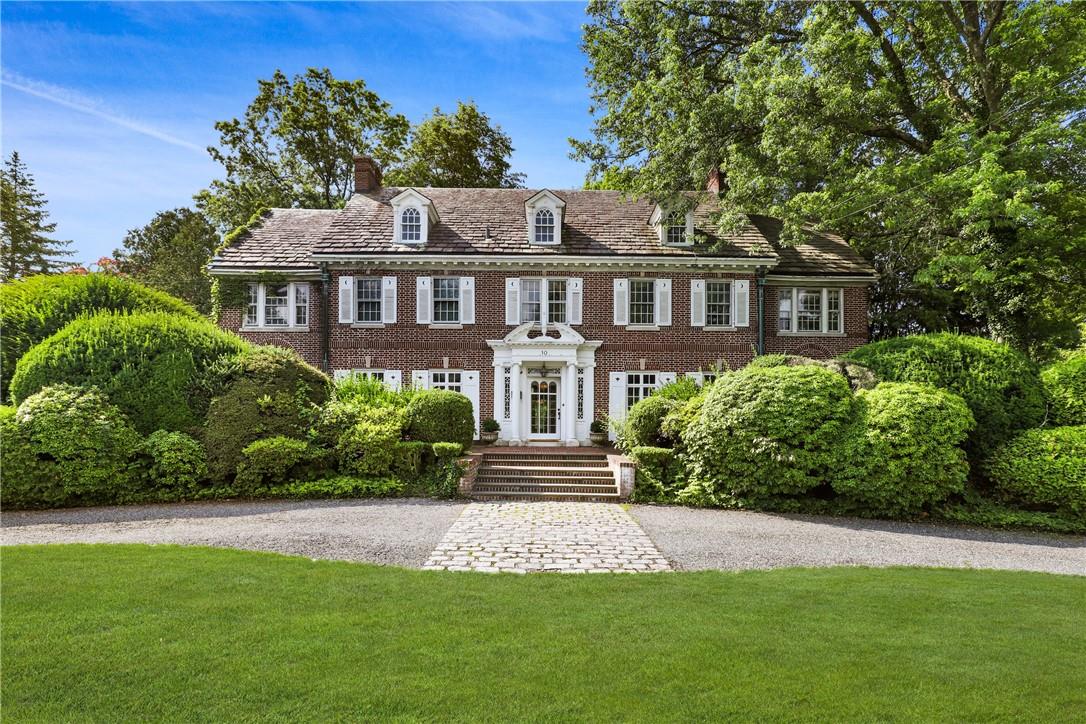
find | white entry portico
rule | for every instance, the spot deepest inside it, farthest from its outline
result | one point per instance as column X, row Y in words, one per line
column 543, row 384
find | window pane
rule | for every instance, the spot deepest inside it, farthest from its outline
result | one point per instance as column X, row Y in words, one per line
column 833, row 309
column 251, row 305
column 410, row 225
column 809, row 310
column 556, row 300
column 784, row 322
column 445, row 381
column 277, row 305
column 544, row 226
column 369, row 300
column 301, row 304
column 718, row 304
column 447, row 299
column 642, row 301
column 676, row 228
column 530, row 305
column 639, row 385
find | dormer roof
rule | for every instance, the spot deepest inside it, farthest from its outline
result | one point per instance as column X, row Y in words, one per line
column 413, row 197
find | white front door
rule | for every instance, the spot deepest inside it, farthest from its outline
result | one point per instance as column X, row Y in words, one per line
column 544, row 406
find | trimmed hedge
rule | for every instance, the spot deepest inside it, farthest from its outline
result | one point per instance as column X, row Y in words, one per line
column 858, row 376
column 642, row 424
column 277, row 461
column 66, row 446
column 676, row 422
column 173, row 462
column 262, row 392
column 1000, row 385
column 1044, row 467
column 658, row 472
column 903, row 454
column 441, row 416
column 144, row 363
column 1065, row 388
column 768, row 431
column 37, row 307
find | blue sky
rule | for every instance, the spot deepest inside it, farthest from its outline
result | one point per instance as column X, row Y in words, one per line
column 112, row 105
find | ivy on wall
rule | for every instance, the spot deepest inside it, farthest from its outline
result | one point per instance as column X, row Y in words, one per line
column 232, row 292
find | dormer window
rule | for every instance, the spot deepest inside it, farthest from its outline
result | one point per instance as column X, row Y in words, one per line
column 410, row 226
column 674, row 227
column 544, row 226
column 413, row 216
column 675, row 231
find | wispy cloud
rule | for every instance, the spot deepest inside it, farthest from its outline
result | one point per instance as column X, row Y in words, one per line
column 92, row 107
column 550, row 22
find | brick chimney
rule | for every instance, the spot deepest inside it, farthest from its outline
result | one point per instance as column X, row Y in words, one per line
column 367, row 175
column 712, row 183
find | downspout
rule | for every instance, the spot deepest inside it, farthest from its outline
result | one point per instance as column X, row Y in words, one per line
column 326, row 294
column 761, row 310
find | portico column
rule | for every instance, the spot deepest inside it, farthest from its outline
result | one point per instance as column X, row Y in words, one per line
column 569, row 403
column 514, row 404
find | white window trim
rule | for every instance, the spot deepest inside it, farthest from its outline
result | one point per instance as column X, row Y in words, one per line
column 730, row 326
column 824, row 324
column 380, row 306
column 412, row 199
column 458, row 324
column 544, row 298
column 292, row 327
column 659, row 220
column 544, row 200
column 640, row 326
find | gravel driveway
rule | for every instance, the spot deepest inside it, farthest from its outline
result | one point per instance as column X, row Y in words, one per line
column 695, row 539
column 396, row 532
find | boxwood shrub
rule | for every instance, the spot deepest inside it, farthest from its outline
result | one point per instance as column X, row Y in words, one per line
column 642, row 424
column 1044, row 467
column 858, row 376
column 171, row 463
column 658, row 473
column 768, row 431
column 904, row 454
column 441, row 416
column 144, row 363
column 66, row 446
column 277, row 461
column 259, row 393
column 37, row 307
column 1000, row 385
column 1065, row 388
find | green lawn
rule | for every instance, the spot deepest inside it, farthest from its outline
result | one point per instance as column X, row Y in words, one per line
column 123, row 633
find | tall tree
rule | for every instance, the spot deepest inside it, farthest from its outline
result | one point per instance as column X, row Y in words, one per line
column 170, row 253
column 25, row 247
column 461, row 149
column 944, row 140
column 295, row 145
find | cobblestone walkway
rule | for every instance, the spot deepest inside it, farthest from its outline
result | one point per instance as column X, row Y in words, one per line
column 521, row 537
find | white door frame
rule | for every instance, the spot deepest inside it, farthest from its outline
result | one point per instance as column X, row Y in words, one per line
column 556, row 400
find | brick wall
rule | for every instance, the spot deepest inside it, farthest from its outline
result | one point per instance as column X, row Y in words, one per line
column 408, row 346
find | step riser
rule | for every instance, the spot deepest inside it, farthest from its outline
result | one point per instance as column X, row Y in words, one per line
column 600, row 489
column 518, row 475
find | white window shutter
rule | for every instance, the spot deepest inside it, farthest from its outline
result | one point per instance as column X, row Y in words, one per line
column 741, row 303
column 423, row 297
column 346, row 300
column 665, row 378
column 512, row 301
column 574, row 300
column 467, row 300
column 698, row 377
column 622, row 304
column 663, row 302
column 338, row 375
column 697, row 302
column 469, row 386
column 388, row 300
column 393, row 379
column 616, row 400
column 420, row 379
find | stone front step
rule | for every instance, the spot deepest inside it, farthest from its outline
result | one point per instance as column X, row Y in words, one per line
column 544, row 474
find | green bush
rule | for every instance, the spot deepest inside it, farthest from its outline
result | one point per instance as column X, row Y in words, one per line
column 904, row 453
column 66, row 446
column 276, row 461
column 858, row 376
column 680, row 390
column 447, row 450
column 679, row 419
column 371, row 392
column 409, row 458
column 441, row 416
column 659, row 472
column 443, row 478
column 768, row 431
column 262, row 392
column 1000, row 385
column 6, row 412
column 1044, row 467
column 173, row 462
column 368, row 448
column 144, row 363
column 37, row 307
column 1065, row 388
column 642, row 424
column 340, row 486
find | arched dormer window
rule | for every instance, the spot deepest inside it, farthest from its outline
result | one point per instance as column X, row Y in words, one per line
column 675, row 228
column 544, row 226
column 410, row 225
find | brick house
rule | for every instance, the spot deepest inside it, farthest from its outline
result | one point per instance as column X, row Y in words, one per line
column 548, row 309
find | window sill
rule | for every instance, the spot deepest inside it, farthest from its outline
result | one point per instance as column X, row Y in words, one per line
column 272, row 329
column 810, row 334
column 642, row 328
column 720, row 329
column 446, row 326
column 368, row 325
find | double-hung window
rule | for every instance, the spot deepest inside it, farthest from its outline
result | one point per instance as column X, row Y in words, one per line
column 642, row 302
column 369, row 300
column 410, row 225
column 675, row 228
column 805, row 310
column 543, row 300
column 718, row 304
column 283, row 305
column 639, row 385
column 446, row 381
column 446, row 300
column 544, row 226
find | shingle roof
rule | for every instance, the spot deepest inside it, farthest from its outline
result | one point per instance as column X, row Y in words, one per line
column 492, row 221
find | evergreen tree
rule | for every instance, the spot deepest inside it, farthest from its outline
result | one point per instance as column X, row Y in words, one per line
column 25, row 248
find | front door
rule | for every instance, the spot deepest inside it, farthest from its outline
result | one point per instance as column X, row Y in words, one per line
column 543, row 409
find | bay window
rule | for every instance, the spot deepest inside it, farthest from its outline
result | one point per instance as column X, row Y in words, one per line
column 277, row 305
column 805, row 310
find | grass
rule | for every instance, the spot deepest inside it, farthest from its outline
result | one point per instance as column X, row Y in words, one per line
column 123, row 633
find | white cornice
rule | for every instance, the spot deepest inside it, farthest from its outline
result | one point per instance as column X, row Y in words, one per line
column 294, row 273
column 844, row 280
column 550, row 261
